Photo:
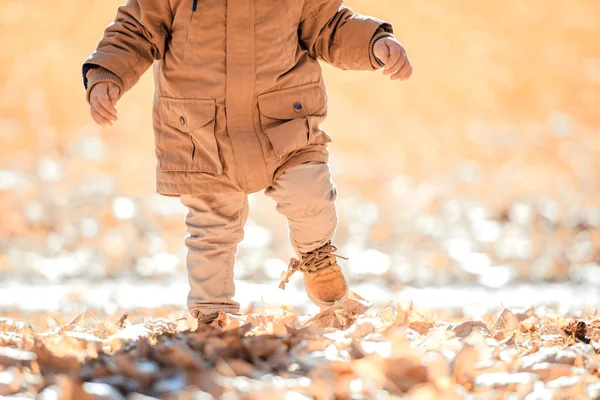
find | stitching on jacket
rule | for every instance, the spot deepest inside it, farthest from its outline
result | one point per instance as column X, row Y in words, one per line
column 307, row 86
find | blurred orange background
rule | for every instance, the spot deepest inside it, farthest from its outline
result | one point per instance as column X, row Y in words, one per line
column 503, row 106
column 511, row 85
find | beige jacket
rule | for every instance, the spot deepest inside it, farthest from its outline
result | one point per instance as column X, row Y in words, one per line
column 239, row 93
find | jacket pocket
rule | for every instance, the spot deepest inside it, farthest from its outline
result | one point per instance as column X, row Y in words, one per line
column 185, row 135
column 291, row 118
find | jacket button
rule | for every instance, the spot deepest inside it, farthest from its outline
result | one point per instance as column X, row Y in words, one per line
column 182, row 120
column 297, row 106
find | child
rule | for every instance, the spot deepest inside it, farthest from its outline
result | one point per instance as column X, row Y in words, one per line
column 238, row 107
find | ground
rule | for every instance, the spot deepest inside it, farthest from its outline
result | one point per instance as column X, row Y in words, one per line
column 350, row 351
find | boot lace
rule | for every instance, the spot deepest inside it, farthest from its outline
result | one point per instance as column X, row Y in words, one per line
column 317, row 260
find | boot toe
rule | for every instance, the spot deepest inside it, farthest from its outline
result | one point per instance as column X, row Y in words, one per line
column 327, row 286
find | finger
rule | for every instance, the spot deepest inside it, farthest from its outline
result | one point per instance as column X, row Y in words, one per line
column 113, row 94
column 395, row 57
column 404, row 73
column 105, row 102
column 104, row 113
column 101, row 109
column 100, row 120
column 396, row 66
column 408, row 74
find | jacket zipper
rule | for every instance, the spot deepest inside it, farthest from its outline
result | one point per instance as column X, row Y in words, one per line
column 194, row 5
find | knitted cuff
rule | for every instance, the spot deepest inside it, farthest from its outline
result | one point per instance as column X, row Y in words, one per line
column 98, row 74
column 372, row 56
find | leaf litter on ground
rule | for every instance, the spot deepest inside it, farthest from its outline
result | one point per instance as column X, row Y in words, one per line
column 348, row 351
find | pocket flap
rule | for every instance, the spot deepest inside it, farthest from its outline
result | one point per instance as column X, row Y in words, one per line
column 293, row 103
column 186, row 114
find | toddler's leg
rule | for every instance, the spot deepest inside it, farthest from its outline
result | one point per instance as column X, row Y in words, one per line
column 215, row 224
column 306, row 195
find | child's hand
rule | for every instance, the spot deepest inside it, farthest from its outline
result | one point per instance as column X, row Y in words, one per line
column 103, row 99
column 393, row 55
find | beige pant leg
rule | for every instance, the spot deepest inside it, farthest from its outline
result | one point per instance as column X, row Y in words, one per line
column 306, row 195
column 215, row 223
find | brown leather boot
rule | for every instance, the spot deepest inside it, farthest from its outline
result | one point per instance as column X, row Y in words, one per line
column 207, row 319
column 324, row 279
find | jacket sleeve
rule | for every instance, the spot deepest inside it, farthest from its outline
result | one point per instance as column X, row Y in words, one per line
column 337, row 35
column 133, row 41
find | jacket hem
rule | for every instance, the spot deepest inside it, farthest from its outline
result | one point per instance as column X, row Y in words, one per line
column 301, row 159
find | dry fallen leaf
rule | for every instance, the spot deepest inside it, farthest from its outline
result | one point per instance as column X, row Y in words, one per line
column 129, row 334
column 342, row 352
column 341, row 315
column 507, row 321
column 465, row 328
column 464, row 364
column 10, row 381
column 550, row 371
column 11, row 357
